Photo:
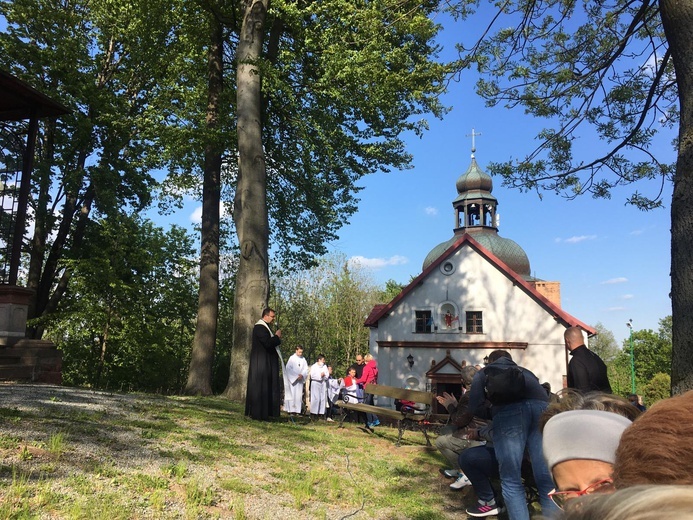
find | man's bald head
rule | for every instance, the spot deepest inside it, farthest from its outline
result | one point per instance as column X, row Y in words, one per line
column 573, row 338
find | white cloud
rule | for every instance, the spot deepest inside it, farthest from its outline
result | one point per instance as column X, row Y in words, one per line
column 196, row 215
column 641, row 231
column 612, row 281
column 627, row 297
column 431, row 211
column 378, row 263
column 577, row 239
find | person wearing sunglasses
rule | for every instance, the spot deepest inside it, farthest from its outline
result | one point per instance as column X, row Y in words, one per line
column 580, row 450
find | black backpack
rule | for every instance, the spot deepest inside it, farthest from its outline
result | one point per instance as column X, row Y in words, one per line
column 504, row 384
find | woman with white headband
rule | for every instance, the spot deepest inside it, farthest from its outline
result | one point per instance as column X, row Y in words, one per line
column 580, row 444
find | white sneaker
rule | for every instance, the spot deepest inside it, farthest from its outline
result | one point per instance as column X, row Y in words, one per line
column 329, row 419
column 462, row 481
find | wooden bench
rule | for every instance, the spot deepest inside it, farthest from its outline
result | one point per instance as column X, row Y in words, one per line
column 418, row 419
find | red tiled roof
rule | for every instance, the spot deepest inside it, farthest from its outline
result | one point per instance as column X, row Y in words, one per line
column 559, row 314
column 376, row 310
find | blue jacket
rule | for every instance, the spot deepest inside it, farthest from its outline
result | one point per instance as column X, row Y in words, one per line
column 478, row 404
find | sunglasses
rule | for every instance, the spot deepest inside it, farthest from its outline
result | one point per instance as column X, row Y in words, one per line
column 561, row 497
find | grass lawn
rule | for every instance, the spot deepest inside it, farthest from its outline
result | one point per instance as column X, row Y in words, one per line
column 78, row 454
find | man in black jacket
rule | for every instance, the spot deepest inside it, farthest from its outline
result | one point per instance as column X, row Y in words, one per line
column 358, row 366
column 586, row 371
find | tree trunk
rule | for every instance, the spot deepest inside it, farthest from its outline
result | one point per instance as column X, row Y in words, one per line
column 37, row 244
column 42, row 276
column 61, row 286
column 250, row 204
column 677, row 17
column 200, row 372
column 102, row 349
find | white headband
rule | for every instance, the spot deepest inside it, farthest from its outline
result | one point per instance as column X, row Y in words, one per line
column 583, row 434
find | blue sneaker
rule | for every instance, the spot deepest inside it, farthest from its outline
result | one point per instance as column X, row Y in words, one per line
column 375, row 423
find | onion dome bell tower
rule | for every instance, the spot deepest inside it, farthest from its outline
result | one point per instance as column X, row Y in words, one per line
column 475, row 207
column 476, row 213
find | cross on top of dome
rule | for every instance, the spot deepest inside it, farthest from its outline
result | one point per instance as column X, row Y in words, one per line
column 473, row 136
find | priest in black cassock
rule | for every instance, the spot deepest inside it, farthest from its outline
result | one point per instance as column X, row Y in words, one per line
column 263, row 394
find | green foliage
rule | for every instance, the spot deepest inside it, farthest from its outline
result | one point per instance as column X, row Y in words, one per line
column 25, row 454
column 605, row 345
column 652, row 356
column 358, row 76
column 586, row 67
column 198, row 494
column 657, row 389
column 341, row 83
column 620, row 374
column 15, row 503
column 391, row 290
column 652, row 351
column 324, row 310
column 177, row 470
column 129, row 318
column 56, row 444
column 102, row 63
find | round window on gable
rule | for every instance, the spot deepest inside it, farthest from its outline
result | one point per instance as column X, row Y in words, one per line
column 447, row 268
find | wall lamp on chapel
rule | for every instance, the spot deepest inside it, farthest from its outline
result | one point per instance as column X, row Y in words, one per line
column 410, row 360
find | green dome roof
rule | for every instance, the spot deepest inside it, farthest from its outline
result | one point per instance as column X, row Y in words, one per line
column 474, row 179
column 437, row 251
column 505, row 249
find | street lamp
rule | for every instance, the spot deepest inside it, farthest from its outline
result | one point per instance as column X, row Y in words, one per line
column 632, row 357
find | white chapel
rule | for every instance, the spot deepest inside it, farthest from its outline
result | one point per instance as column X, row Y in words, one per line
column 474, row 295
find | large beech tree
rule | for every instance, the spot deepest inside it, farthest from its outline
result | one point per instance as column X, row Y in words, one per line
column 313, row 97
column 622, row 69
column 324, row 91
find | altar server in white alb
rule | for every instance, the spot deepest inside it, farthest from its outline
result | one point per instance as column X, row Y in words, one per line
column 318, row 387
column 333, row 388
column 296, row 372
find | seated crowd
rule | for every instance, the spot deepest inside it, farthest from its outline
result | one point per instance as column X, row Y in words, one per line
column 588, row 453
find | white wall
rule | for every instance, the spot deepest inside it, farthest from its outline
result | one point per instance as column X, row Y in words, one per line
column 509, row 315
